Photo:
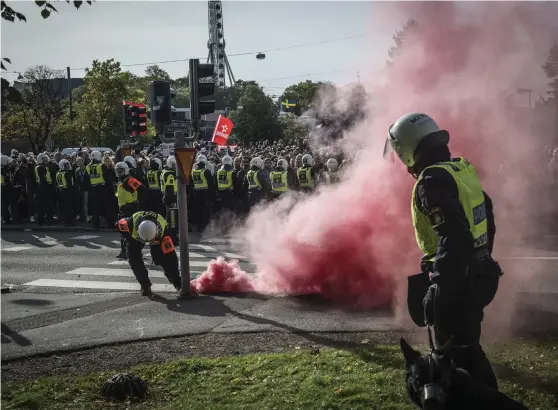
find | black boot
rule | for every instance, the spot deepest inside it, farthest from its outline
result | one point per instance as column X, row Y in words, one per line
column 146, row 291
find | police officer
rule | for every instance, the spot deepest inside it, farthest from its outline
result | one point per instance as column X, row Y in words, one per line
column 258, row 185
column 169, row 188
column 45, row 186
column 135, row 171
column 153, row 176
column 149, row 228
column 306, row 175
column 454, row 227
column 131, row 195
column 226, row 184
column 279, row 177
column 101, row 195
column 7, row 191
column 67, row 192
column 204, row 192
column 332, row 173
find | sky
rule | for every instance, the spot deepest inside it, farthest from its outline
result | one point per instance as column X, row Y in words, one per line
column 135, row 32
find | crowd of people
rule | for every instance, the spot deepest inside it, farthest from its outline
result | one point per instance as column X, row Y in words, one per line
column 83, row 186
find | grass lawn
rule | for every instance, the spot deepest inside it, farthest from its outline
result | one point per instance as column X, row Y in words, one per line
column 371, row 378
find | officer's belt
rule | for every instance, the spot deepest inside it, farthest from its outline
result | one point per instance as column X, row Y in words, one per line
column 480, row 253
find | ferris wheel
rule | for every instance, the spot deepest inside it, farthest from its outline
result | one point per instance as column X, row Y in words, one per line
column 216, row 46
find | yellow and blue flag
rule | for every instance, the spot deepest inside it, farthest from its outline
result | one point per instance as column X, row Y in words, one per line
column 288, row 105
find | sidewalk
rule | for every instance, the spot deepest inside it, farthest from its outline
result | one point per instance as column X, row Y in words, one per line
column 33, row 226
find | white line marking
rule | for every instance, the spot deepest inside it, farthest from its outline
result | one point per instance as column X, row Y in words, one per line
column 542, row 258
column 124, row 273
column 193, row 264
column 56, row 283
column 85, row 237
column 115, row 242
column 16, row 248
column 200, row 247
column 47, row 240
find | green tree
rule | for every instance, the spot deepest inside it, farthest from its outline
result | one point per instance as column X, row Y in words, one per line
column 154, row 72
column 292, row 129
column 39, row 111
column 232, row 94
column 399, row 39
column 9, row 14
column 551, row 70
column 99, row 111
column 303, row 93
column 256, row 117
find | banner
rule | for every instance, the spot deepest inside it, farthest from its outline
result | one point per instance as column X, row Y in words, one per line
column 223, row 129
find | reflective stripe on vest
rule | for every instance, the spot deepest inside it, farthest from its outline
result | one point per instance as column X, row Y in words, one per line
column 153, row 180
column 126, row 197
column 95, row 172
column 279, row 181
column 47, row 174
column 61, row 181
column 141, row 216
column 224, row 179
column 168, row 178
column 471, row 198
column 332, row 177
column 304, row 176
column 3, row 179
column 200, row 181
column 253, row 182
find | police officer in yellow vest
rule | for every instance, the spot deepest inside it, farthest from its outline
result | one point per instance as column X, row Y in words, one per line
column 257, row 181
column 454, row 226
column 148, row 228
column 227, row 185
column 204, row 192
column 280, row 179
column 131, row 195
column 169, row 188
column 155, row 197
column 332, row 174
column 43, row 193
column 306, row 176
column 101, row 195
column 67, row 192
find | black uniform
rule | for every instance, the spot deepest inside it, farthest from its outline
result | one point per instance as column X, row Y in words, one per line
column 467, row 277
column 162, row 249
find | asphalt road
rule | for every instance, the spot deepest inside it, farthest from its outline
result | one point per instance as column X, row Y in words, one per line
column 70, row 292
column 67, row 262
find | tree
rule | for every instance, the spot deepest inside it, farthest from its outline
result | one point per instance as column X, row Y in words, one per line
column 9, row 14
column 40, row 110
column 256, row 116
column 303, row 93
column 233, row 93
column 551, row 70
column 292, row 128
column 99, row 111
column 399, row 38
column 154, row 72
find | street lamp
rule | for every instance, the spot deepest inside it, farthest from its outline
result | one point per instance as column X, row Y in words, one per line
column 260, row 56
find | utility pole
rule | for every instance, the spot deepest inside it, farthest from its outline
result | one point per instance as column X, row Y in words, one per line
column 70, row 94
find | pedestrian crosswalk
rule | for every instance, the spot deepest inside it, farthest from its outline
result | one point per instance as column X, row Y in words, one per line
column 116, row 275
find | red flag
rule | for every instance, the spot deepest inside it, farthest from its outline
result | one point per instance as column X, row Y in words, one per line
column 222, row 130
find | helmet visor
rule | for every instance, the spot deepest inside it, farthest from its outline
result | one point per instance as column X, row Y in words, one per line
column 389, row 152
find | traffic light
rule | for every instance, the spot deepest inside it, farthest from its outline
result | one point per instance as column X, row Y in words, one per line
column 135, row 119
column 198, row 91
column 142, row 119
column 160, row 104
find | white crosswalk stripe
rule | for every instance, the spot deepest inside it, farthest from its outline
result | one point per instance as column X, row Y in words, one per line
column 116, row 275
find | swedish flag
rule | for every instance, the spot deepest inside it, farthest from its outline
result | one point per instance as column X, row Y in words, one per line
column 288, row 105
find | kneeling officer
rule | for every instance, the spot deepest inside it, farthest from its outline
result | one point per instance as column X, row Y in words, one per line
column 149, row 228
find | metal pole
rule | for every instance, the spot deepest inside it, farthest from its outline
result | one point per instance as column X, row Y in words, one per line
column 70, row 94
column 179, row 142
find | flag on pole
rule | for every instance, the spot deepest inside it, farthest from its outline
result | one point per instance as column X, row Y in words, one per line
column 222, row 130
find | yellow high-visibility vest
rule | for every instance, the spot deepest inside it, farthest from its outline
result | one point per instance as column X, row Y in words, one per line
column 95, row 172
column 224, row 180
column 279, row 181
column 200, row 181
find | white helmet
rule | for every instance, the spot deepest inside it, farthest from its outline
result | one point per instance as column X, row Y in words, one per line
column 332, row 164
column 412, row 130
column 147, row 231
column 121, row 169
column 283, row 164
column 227, row 160
column 4, row 160
column 97, row 156
column 131, row 161
column 307, row 160
column 171, row 162
column 64, row 165
column 256, row 162
column 158, row 162
column 43, row 159
column 202, row 159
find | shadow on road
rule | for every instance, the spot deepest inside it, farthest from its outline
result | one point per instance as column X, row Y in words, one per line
column 9, row 336
column 31, row 302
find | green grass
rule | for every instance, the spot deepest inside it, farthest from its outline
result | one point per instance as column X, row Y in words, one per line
column 371, row 378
